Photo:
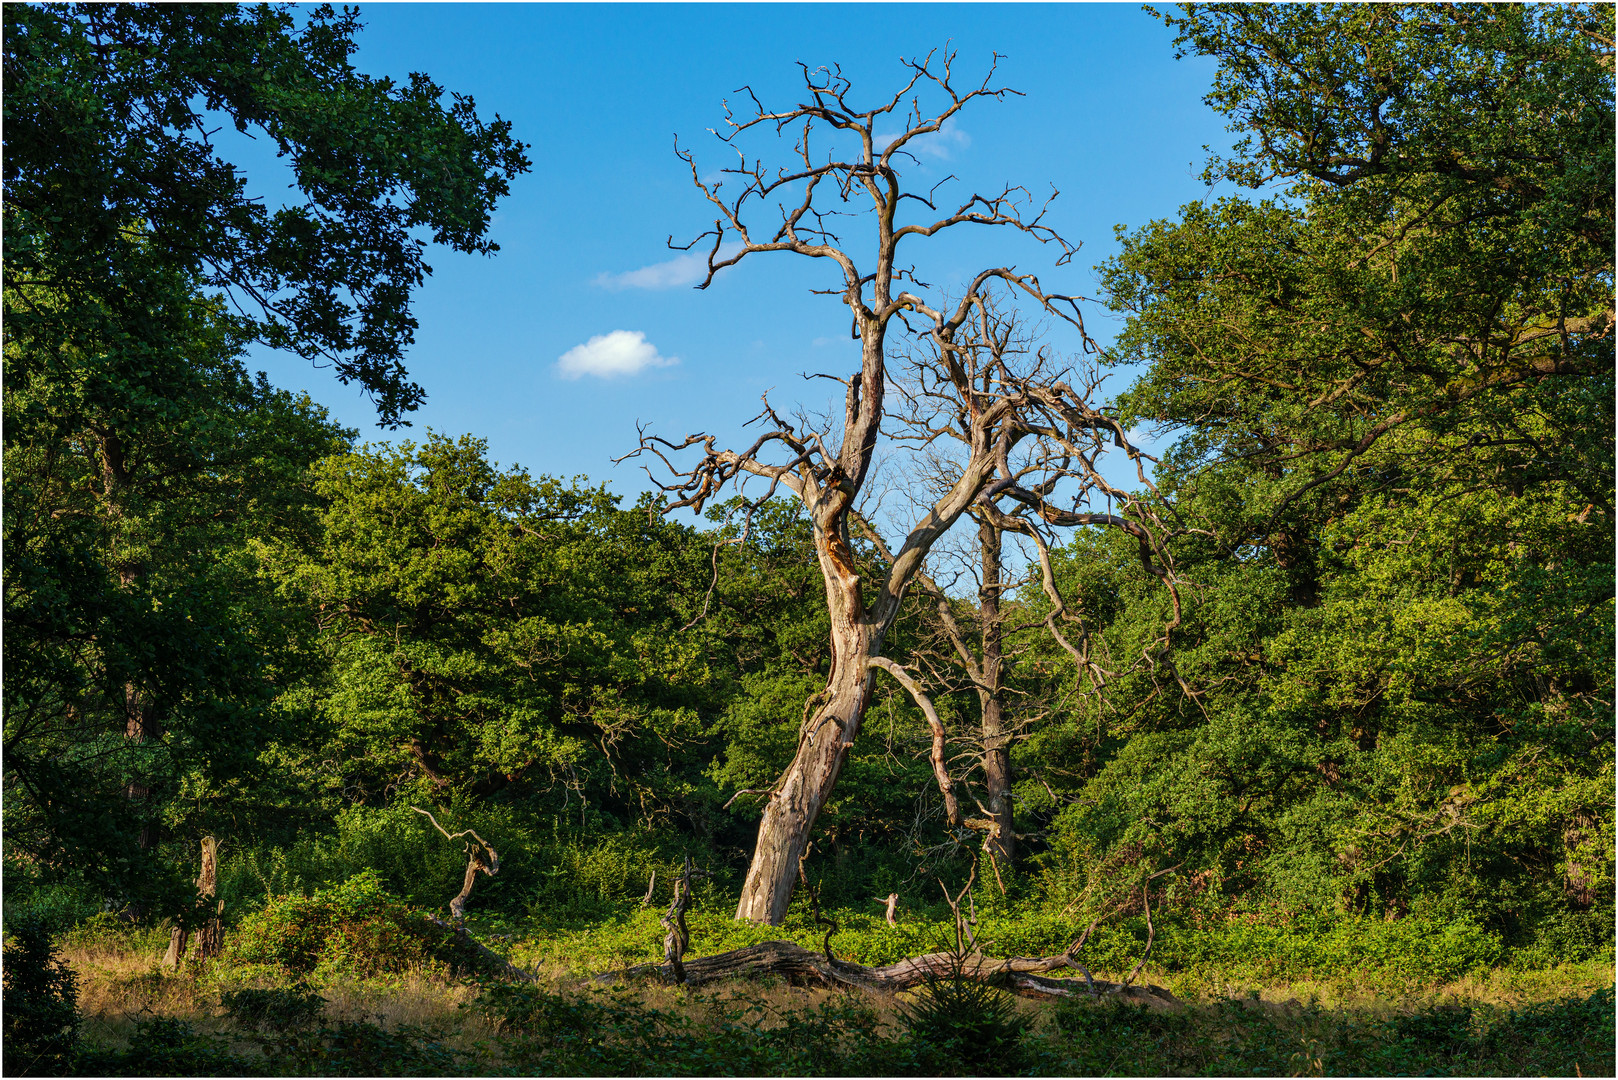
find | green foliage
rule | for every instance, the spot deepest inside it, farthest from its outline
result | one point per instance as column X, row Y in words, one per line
column 41, row 1003
column 547, row 1031
column 608, row 1033
column 143, row 653
column 400, row 847
column 1391, row 681
column 161, row 1046
column 357, row 927
column 166, row 1047
column 1250, row 1038
column 454, row 590
column 112, row 180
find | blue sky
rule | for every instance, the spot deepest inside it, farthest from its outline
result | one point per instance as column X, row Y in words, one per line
column 1107, row 116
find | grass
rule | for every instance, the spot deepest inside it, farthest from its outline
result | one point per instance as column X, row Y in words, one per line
column 139, row 1018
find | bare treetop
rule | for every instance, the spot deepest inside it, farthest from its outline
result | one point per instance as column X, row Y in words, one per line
column 805, row 225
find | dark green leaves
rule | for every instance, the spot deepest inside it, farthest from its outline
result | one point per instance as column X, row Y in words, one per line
column 111, row 174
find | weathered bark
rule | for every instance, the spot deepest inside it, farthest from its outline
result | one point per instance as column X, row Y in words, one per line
column 1020, row 974
column 678, row 939
column 1001, row 842
column 823, row 745
column 480, row 859
column 210, row 933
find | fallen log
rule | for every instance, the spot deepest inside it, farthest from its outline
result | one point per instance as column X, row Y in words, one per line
column 1022, row 975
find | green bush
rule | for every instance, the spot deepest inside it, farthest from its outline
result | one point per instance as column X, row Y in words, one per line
column 400, row 847
column 967, row 1027
column 56, row 905
column 357, row 928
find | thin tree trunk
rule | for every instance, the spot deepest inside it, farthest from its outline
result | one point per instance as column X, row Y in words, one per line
column 1002, row 841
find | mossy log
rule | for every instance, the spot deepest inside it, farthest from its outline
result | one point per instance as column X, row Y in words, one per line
column 1022, row 975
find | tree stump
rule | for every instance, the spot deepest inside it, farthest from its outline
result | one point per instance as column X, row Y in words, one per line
column 210, row 932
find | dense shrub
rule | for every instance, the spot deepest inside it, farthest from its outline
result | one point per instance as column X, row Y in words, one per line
column 357, row 928
column 411, row 859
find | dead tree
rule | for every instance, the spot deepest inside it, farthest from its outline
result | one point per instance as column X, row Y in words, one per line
column 825, row 464
column 678, row 939
column 985, row 668
column 481, row 858
column 1049, row 443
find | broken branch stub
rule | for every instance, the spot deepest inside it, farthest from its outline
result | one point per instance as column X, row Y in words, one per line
column 892, row 901
column 210, row 933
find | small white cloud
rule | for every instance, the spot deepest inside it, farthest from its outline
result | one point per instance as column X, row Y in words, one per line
column 940, row 145
column 681, row 270
column 610, row 356
column 687, row 269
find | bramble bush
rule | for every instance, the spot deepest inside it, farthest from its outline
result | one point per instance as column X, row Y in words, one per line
column 357, row 928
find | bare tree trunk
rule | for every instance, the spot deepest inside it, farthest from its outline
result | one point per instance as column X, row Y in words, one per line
column 823, row 745
column 1002, row 840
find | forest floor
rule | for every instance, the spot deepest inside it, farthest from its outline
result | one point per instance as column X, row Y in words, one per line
column 1488, row 1022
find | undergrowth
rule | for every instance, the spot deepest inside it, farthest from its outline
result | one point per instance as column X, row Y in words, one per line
column 352, row 980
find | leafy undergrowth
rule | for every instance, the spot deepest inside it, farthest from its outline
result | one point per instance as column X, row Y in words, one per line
column 1346, row 960
column 355, row 928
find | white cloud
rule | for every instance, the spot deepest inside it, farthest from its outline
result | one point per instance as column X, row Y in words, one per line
column 609, row 356
column 940, row 145
column 687, row 269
